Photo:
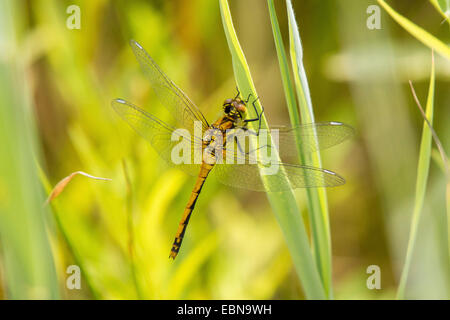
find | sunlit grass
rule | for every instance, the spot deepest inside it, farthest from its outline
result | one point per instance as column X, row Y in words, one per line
column 55, row 208
column 119, row 232
column 317, row 197
column 421, row 183
column 283, row 204
column 441, row 159
column 26, row 253
column 443, row 7
column 419, row 33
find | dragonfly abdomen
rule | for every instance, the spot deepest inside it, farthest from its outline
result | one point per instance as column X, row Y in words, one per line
column 204, row 171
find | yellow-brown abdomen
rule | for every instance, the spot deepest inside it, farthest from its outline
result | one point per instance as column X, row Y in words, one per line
column 204, row 171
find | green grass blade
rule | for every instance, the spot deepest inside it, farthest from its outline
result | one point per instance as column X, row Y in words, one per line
column 70, row 245
column 447, row 197
column 421, row 184
column 317, row 197
column 29, row 267
column 131, row 230
column 283, row 203
column 441, row 160
column 443, row 7
column 423, row 36
column 284, row 67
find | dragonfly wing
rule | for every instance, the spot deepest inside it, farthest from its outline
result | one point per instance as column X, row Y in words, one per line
column 158, row 133
column 247, row 176
column 312, row 137
column 172, row 97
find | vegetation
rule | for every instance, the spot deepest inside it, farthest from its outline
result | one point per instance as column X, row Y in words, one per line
column 306, row 61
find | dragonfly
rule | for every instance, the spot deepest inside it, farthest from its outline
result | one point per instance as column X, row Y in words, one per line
column 240, row 174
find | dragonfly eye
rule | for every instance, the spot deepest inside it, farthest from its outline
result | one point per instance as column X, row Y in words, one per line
column 241, row 108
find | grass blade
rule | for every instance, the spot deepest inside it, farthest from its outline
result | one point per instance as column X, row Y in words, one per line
column 443, row 158
column 284, row 67
column 68, row 242
column 61, row 185
column 420, row 34
column 29, row 267
column 283, row 203
column 421, row 183
column 443, row 7
column 130, row 230
column 317, row 197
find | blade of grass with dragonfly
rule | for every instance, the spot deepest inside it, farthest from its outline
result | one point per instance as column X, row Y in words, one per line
column 420, row 34
column 283, row 203
column 26, row 253
column 421, row 183
column 317, row 202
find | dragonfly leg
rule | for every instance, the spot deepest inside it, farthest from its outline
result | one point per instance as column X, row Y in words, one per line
column 248, row 98
column 239, row 145
column 238, row 93
column 250, row 131
column 258, row 118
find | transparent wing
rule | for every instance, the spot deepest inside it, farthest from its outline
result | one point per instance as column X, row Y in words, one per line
column 158, row 133
column 172, row 97
column 327, row 134
column 312, row 137
column 247, row 176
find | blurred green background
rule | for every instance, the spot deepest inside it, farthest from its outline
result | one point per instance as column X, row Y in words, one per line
column 120, row 233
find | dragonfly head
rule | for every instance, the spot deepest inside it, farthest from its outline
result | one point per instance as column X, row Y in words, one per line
column 234, row 108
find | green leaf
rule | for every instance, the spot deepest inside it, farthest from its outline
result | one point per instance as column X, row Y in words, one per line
column 443, row 7
column 420, row 34
column 283, row 203
column 421, row 183
column 284, row 67
column 317, row 197
column 28, row 261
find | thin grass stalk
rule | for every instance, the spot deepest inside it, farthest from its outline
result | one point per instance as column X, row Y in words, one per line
column 445, row 164
column 284, row 67
column 130, row 230
column 443, row 9
column 78, row 260
column 316, row 197
column 421, row 183
column 420, row 34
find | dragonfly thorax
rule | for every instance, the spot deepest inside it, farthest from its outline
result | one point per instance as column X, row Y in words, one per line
column 234, row 108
